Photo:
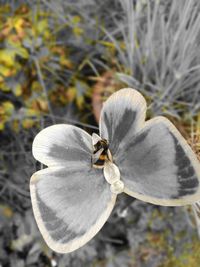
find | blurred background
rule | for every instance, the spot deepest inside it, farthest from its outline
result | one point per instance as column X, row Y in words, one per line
column 59, row 60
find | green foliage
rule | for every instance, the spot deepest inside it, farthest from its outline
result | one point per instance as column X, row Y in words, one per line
column 36, row 71
column 186, row 254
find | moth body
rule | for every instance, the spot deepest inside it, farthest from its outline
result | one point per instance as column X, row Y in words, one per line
column 112, row 176
column 102, row 158
column 117, row 187
column 101, row 152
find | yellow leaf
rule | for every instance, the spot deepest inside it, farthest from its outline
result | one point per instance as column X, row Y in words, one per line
column 71, row 93
column 32, row 112
column 80, row 102
column 43, row 105
column 19, row 26
column 42, row 25
column 5, row 8
column 15, row 125
column 107, row 44
column 14, row 38
column 4, row 71
column 66, row 62
column 36, row 86
column 77, row 31
column 58, row 50
column 18, row 90
column 27, row 123
column 47, row 35
column 1, row 111
column 15, row 48
column 7, row 212
column 5, row 31
column 22, row 52
column 8, row 107
column 76, row 19
column 4, row 87
column 2, row 126
column 8, row 26
column 39, row 105
column 7, row 57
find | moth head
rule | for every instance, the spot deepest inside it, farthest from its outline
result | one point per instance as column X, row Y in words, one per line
column 101, row 153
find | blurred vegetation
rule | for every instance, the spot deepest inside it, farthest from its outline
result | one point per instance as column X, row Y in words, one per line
column 36, row 71
column 58, row 61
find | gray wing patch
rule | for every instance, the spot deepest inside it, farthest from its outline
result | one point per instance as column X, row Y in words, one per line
column 62, row 144
column 122, row 128
column 70, row 205
column 67, row 153
column 145, row 168
column 123, row 115
column 158, row 166
column 187, row 179
column 56, row 227
column 80, row 139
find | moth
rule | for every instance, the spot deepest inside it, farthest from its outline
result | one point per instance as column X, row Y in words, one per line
column 149, row 160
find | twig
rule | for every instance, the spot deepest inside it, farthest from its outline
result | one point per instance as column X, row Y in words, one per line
column 111, row 240
column 18, row 189
column 197, row 219
column 41, row 80
column 75, row 122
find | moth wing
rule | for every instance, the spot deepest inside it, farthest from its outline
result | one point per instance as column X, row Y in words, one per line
column 71, row 200
column 62, row 144
column 158, row 166
column 122, row 115
column 70, row 205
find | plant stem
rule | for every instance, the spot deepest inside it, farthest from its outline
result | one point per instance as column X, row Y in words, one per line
column 41, row 80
